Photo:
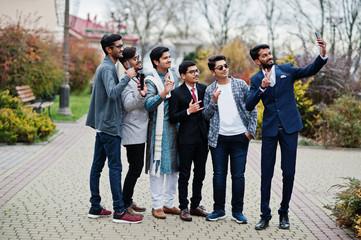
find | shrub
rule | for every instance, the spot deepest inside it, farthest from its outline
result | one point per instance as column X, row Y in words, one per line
column 29, row 57
column 260, row 109
column 340, row 124
column 306, row 108
column 236, row 52
column 82, row 64
column 347, row 208
column 21, row 124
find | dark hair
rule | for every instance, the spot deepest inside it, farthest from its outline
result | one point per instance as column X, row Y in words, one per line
column 255, row 50
column 183, row 67
column 157, row 53
column 128, row 53
column 213, row 59
column 108, row 41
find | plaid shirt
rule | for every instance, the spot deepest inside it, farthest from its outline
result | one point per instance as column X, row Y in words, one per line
column 211, row 113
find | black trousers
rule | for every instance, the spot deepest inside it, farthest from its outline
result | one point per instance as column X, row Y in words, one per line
column 188, row 153
column 135, row 156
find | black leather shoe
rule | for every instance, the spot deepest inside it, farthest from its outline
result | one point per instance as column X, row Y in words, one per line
column 284, row 221
column 262, row 224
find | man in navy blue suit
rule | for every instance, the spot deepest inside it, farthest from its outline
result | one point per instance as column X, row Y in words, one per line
column 273, row 84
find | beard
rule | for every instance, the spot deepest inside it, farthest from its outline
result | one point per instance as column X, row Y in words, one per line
column 267, row 65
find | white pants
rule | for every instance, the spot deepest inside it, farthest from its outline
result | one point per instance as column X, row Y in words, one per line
column 170, row 188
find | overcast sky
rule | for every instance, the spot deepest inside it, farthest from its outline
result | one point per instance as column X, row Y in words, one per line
column 101, row 10
column 94, row 7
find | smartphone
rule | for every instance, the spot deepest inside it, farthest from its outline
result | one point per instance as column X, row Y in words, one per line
column 128, row 65
column 141, row 80
column 318, row 35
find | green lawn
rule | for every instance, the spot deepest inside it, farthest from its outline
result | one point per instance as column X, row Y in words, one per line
column 79, row 105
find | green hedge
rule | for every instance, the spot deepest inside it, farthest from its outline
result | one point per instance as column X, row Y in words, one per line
column 340, row 123
column 21, row 124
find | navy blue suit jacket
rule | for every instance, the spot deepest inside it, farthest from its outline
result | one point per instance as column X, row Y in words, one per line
column 279, row 100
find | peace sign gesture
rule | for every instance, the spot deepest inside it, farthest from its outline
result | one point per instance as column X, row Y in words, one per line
column 266, row 80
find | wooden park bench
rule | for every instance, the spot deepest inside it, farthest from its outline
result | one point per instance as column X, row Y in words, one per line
column 26, row 95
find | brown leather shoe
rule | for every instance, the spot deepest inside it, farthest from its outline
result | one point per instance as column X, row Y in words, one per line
column 132, row 212
column 137, row 208
column 185, row 216
column 173, row 210
column 199, row 211
column 158, row 213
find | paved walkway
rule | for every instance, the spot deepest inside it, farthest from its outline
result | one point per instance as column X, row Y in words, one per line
column 44, row 194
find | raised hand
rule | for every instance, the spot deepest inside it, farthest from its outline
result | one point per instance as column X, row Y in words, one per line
column 131, row 73
column 216, row 95
column 168, row 85
column 194, row 107
column 322, row 44
column 145, row 89
column 266, row 80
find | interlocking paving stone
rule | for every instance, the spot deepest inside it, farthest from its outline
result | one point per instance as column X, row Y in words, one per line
column 52, row 201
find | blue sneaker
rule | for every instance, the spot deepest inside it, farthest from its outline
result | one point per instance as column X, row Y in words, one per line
column 239, row 218
column 215, row 215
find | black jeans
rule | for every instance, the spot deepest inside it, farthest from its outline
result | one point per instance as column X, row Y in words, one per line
column 135, row 156
column 198, row 154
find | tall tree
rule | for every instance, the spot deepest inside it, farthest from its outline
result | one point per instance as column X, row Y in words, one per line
column 223, row 16
column 184, row 21
column 272, row 20
column 305, row 22
column 351, row 15
column 148, row 20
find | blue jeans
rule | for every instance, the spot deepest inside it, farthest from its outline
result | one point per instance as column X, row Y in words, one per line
column 236, row 147
column 107, row 146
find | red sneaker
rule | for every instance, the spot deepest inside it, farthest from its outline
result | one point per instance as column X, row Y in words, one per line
column 100, row 213
column 125, row 217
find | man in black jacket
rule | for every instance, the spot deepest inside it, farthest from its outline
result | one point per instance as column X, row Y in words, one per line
column 185, row 107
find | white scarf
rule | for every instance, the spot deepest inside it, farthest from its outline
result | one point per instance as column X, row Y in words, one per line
column 159, row 122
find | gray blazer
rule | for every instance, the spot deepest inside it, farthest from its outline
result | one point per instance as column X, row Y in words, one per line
column 135, row 117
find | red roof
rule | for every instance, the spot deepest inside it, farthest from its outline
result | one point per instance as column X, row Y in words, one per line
column 93, row 30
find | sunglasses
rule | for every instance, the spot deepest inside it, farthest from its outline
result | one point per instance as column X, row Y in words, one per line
column 220, row 67
column 193, row 72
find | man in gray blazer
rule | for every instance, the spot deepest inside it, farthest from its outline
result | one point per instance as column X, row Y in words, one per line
column 134, row 129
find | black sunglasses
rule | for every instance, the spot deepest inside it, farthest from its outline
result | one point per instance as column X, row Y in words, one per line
column 220, row 67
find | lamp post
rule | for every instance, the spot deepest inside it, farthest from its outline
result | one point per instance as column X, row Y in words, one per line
column 64, row 108
column 119, row 18
column 334, row 21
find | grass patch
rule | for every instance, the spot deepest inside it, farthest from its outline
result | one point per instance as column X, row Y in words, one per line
column 79, row 106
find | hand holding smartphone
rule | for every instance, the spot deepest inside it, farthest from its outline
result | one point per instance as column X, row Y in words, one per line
column 141, row 80
column 128, row 65
column 318, row 35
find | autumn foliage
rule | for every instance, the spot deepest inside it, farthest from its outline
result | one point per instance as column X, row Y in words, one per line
column 82, row 65
column 29, row 57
